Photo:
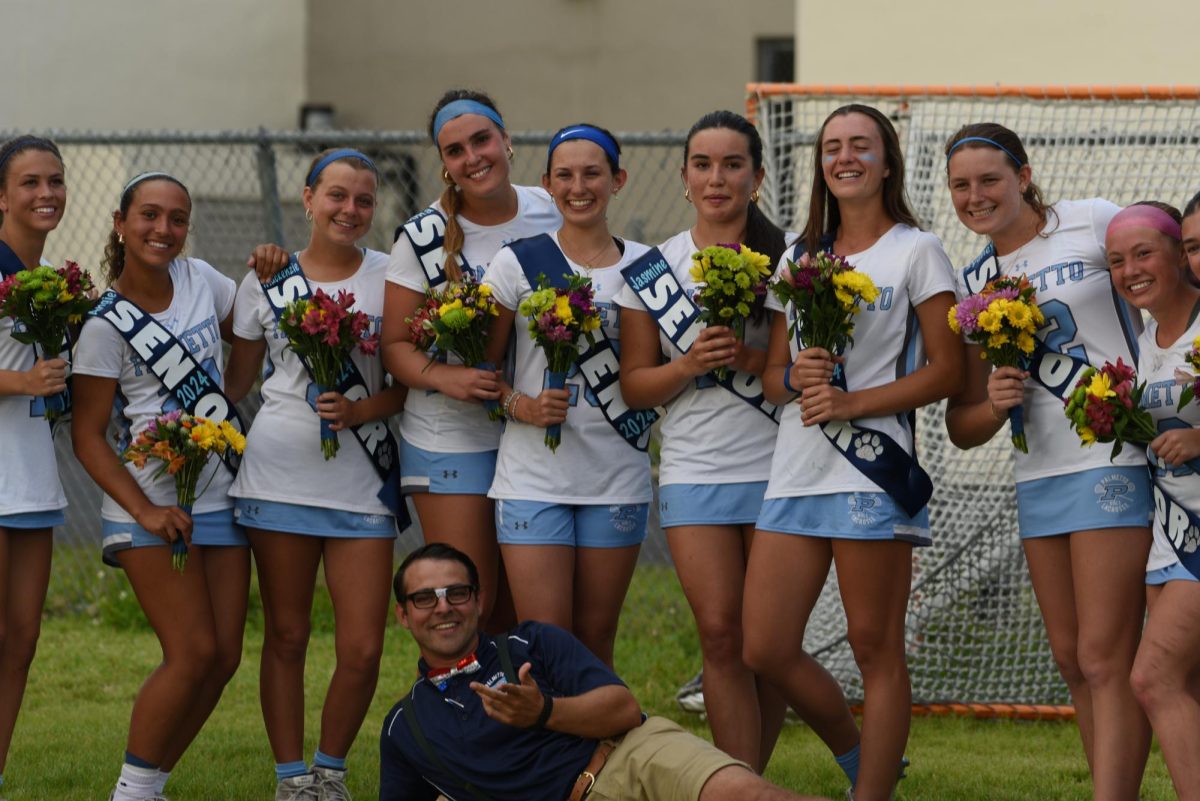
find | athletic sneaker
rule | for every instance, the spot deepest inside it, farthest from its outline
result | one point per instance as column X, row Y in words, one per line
column 155, row 797
column 691, row 695
column 331, row 784
column 297, row 788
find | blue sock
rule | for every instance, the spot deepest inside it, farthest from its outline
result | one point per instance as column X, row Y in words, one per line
column 288, row 770
column 321, row 760
column 138, row 762
column 848, row 762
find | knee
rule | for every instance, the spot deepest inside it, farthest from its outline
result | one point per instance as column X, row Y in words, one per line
column 226, row 663
column 721, row 640
column 767, row 657
column 18, row 644
column 876, row 649
column 1101, row 664
column 288, row 642
column 195, row 657
column 361, row 657
column 1066, row 659
column 1153, row 683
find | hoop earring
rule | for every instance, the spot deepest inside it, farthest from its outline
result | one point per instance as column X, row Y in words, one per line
column 511, row 154
column 754, row 196
column 446, row 179
column 687, row 195
column 308, row 215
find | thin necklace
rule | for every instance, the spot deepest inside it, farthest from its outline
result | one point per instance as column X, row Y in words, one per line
column 588, row 263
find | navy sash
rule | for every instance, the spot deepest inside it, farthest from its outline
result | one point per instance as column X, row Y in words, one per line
column 1181, row 526
column 426, row 233
column 172, row 363
column 677, row 316
column 599, row 365
column 873, row 453
column 11, row 265
column 289, row 284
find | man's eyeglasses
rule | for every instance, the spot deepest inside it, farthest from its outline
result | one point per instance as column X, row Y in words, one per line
column 455, row 595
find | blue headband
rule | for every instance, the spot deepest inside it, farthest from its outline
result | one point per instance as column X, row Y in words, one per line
column 148, row 176
column 986, row 141
column 592, row 134
column 338, row 155
column 458, row 108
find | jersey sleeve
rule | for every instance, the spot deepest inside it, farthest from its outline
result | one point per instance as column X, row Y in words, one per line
column 772, row 302
column 1102, row 213
column 930, row 271
column 247, row 322
column 404, row 269
column 100, row 350
column 627, row 298
column 223, row 287
column 398, row 779
column 505, row 276
column 563, row 662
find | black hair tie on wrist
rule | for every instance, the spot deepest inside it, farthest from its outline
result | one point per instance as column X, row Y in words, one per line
column 547, row 709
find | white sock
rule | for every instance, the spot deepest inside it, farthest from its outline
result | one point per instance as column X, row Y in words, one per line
column 135, row 784
column 161, row 781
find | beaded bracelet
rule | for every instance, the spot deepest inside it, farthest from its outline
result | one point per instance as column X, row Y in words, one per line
column 510, row 403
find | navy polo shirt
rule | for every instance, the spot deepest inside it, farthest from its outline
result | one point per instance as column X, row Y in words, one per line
column 504, row 762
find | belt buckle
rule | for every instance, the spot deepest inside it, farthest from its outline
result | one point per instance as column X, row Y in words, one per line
column 591, row 780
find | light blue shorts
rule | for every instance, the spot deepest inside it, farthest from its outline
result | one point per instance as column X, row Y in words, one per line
column 1175, row 572
column 315, row 521
column 445, row 473
column 710, row 504
column 47, row 519
column 1105, row 497
column 210, row 529
column 845, row 516
column 603, row 526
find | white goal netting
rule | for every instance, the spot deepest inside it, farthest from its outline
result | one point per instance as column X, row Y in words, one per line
column 974, row 632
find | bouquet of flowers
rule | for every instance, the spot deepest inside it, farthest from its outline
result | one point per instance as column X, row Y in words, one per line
column 1105, row 407
column 558, row 318
column 825, row 291
column 323, row 331
column 455, row 320
column 43, row 302
column 729, row 278
column 183, row 444
column 1002, row 319
column 1191, row 381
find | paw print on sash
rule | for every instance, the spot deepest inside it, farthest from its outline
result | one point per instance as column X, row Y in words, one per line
column 1191, row 540
column 868, row 447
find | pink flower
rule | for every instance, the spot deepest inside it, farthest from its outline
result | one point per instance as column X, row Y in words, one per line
column 369, row 345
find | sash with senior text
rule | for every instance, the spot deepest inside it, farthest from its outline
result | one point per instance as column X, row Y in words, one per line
column 1057, row 372
column 1182, row 527
column 376, row 439
column 678, row 317
column 599, row 364
column 426, row 233
column 169, row 360
column 873, row 453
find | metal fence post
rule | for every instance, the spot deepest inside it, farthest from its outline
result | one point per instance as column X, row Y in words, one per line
column 269, row 185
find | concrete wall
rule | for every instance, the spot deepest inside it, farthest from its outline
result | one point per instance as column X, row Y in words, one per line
column 180, row 64
column 624, row 64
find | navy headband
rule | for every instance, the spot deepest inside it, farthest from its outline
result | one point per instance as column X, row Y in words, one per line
column 986, row 141
column 592, row 134
column 458, row 108
column 148, row 176
column 338, row 155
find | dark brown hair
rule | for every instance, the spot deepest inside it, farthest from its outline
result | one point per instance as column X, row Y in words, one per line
column 114, row 250
column 17, row 145
column 1012, row 146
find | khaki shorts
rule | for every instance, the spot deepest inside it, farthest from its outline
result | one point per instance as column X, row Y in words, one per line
column 659, row 761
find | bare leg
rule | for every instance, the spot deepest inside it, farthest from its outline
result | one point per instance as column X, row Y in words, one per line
column 25, row 572
column 359, row 574
column 602, row 577
column 542, row 579
column 784, row 578
column 1164, row 675
column 287, row 573
column 468, row 522
column 874, row 579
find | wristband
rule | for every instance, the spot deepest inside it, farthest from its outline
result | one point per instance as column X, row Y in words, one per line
column 787, row 379
column 547, row 709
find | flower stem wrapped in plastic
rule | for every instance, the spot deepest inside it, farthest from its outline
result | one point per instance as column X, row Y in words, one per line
column 558, row 319
column 730, row 279
column 1002, row 319
column 1105, row 406
column 323, row 331
column 183, row 444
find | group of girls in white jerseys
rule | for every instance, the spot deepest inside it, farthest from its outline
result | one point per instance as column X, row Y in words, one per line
column 556, row 535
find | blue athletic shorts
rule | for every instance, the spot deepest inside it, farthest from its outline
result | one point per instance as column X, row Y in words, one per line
column 445, row 473
column 1105, row 497
column 212, row 529
column 710, row 504
column 602, row 526
column 845, row 515
column 1175, row 572
column 47, row 519
column 315, row 521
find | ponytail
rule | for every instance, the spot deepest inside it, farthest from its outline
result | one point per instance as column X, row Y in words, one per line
column 451, row 201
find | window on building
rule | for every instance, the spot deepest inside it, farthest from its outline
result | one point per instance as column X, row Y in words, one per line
column 776, row 60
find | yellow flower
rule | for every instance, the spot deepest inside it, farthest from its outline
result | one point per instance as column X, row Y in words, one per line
column 1100, row 387
column 484, row 290
column 989, row 321
column 1087, row 436
column 206, row 435
column 591, row 323
column 1019, row 314
column 446, row 308
column 997, row 340
column 1038, row 317
column 562, row 308
column 235, row 438
column 953, row 320
column 1026, row 342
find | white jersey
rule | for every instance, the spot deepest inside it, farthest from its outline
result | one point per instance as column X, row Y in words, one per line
column 1156, row 366
column 432, row 421
column 709, row 435
column 202, row 299
column 30, row 483
column 283, row 461
column 594, row 464
column 909, row 267
column 1068, row 269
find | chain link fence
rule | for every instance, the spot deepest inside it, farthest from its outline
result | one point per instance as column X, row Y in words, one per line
column 246, row 189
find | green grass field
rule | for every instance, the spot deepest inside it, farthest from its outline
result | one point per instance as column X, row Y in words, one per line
column 71, row 733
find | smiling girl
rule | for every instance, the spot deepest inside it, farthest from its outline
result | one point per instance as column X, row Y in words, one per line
column 448, row 443
column 1082, row 517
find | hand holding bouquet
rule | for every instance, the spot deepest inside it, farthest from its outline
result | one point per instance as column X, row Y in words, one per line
column 456, row 320
column 323, row 331
column 183, row 444
column 729, row 278
column 1191, row 381
column 1002, row 319
column 1105, row 407
column 558, row 319
column 43, row 302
